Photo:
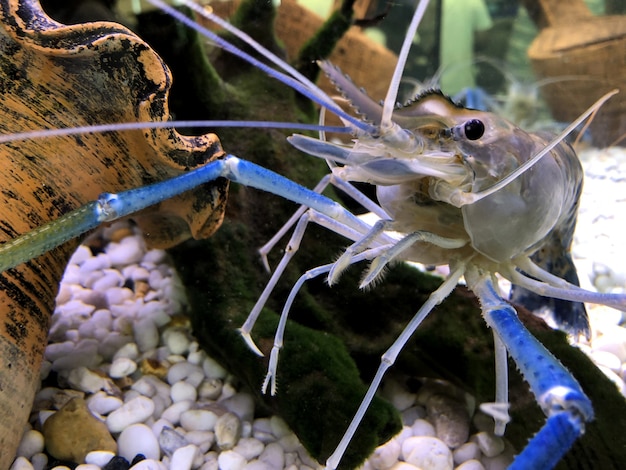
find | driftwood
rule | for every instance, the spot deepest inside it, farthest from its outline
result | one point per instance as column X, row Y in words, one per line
column 53, row 76
column 589, row 54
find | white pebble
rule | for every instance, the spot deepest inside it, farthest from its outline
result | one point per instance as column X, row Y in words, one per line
column 213, row 370
column 99, row 457
column 111, row 278
column 227, row 431
column 241, row 404
column 180, row 371
column 398, row 395
column 146, row 334
column 412, row 414
column 613, row 341
column 162, row 388
column 183, row 458
column 113, row 342
column 88, row 279
column 258, row 465
column 403, row 435
column 95, row 263
column 129, row 350
column 173, row 412
column 249, row 447
column 21, row 463
column 138, row 439
column 468, row 451
column 136, row 410
column 203, row 439
column 198, row 420
column 55, row 351
column 421, row 427
column 85, row 380
column 32, row 443
column 404, row 466
column 39, row 461
column 490, row 444
column 471, row 465
column 181, row 391
column 137, row 273
column 231, row 460
column 607, row 359
column 131, row 251
column 427, row 452
column 102, row 404
column 176, row 341
column 122, row 367
column 386, row 455
column 273, row 455
column 117, row 295
column 210, row 389
column 155, row 311
column 195, row 378
column 87, row 466
column 81, row 254
column 145, row 387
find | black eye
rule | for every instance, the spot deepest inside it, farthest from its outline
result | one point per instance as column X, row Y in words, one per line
column 474, row 129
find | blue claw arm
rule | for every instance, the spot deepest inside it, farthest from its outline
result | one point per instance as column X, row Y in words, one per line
column 550, row 444
column 559, row 395
column 110, row 206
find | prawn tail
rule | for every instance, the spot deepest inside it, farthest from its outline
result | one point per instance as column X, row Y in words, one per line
column 568, row 316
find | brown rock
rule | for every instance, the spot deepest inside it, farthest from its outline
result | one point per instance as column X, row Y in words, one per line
column 154, row 367
column 73, row 432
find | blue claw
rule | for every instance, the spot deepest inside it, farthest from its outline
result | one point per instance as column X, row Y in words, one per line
column 111, row 207
column 558, row 394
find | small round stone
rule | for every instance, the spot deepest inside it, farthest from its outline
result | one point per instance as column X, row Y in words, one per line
column 122, row 367
column 39, row 461
column 227, row 431
column 180, row 371
column 471, row 465
column 173, row 412
column 421, row 427
column 386, row 455
column 490, row 444
column 176, row 341
column 183, row 457
column 210, row 389
column 198, row 420
column 32, row 443
column 427, row 452
column 231, row 460
column 468, row 451
column 138, row 439
column 85, row 380
column 273, row 455
column 134, row 411
column 181, row 391
column 99, row 457
column 213, row 370
column 241, row 404
column 249, row 447
column 21, row 463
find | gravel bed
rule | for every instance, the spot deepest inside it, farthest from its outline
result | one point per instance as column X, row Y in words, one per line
column 125, row 385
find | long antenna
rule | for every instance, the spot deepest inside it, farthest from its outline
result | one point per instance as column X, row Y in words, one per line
column 392, row 92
